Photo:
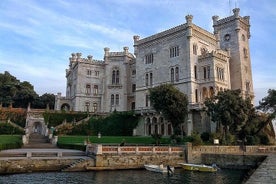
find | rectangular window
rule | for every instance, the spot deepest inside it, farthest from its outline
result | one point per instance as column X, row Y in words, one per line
column 195, row 49
column 147, row 100
column 150, row 79
column 195, row 71
column 89, row 72
column 97, row 73
column 149, row 58
column 174, row 51
column 133, row 87
column 220, row 73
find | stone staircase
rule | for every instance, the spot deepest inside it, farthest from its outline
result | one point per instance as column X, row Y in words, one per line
column 38, row 141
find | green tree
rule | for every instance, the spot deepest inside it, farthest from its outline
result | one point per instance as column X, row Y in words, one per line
column 14, row 91
column 268, row 103
column 230, row 111
column 171, row 102
column 42, row 101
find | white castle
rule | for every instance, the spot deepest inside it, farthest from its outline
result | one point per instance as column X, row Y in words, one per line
column 197, row 62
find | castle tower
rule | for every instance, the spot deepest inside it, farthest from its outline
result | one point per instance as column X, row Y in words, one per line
column 233, row 35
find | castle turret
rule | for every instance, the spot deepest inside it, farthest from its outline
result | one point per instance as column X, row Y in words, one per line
column 233, row 34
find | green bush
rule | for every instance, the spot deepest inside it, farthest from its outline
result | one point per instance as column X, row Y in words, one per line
column 81, row 147
column 6, row 128
column 196, row 139
column 117, row 124
column 57, row 118
column 264, row 139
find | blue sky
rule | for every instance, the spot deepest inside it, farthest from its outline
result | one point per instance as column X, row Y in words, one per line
column 38, row 36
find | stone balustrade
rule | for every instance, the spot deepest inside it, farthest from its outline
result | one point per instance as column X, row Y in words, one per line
column 99, row 149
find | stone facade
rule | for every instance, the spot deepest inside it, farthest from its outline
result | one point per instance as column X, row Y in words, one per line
column 197, row 62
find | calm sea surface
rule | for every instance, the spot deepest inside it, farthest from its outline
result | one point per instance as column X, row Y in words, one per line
column 126, row 177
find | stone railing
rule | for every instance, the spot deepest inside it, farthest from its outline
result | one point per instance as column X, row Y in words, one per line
column 194, row 153
column 99, row 149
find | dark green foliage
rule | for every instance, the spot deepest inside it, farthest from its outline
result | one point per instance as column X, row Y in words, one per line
column 196, row 140
column 268, row 103
column 6, row 128
column 205, row 136
column 117, row 124
column 171, row 102
column 80, row 147
column 56, row 118
column 20, row 94
column 42, row 101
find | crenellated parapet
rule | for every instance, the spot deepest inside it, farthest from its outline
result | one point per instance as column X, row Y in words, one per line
column 76, row 57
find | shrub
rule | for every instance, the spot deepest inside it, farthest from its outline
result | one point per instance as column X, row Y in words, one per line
column 205, row 136
column 6, row 128
column 196, row 139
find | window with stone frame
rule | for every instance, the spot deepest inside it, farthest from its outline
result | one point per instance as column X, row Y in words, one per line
column 195, row 72
column 94, row 107
column 176, row 74
column 147, row 79
column 97, row 73
column 88, row 89
column 196, row 95
column 151, row 79
column 133, row 87
column 115, row 76
column 174, row 51
column 220, row 73
column 89, row 72
column 194, row 49
column 117, row 99
column 206, row 72
column 112, row 100
column 149, row 58
column 147, row 100
column 96, row 90
column 172, row 74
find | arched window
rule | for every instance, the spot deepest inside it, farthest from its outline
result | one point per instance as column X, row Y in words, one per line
column 88, row 89
column 115, row 76
column 172, row 74
column 147, row 79
column 243, row 37
column 195, row 49
column 176, row 74
column 112, row 99
column 96, row 90
column 94, row 107
column 196, row 96
column 151, row 79
column 117, row 99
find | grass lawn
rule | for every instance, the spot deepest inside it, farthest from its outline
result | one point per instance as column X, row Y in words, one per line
column 110, row 140
column 6, row 139
column 10, row 141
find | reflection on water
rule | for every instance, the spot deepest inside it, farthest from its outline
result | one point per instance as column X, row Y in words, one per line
column 125, row 177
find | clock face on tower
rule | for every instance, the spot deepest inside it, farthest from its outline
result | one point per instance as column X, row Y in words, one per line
column 227, row 37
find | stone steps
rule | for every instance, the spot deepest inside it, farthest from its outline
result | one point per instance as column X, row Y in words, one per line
column 38, row 141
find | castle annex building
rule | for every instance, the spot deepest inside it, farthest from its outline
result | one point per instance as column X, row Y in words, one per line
column 197, row 62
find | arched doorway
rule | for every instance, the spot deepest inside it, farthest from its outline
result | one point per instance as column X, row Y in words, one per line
column 65, row 107
column 37, row 128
